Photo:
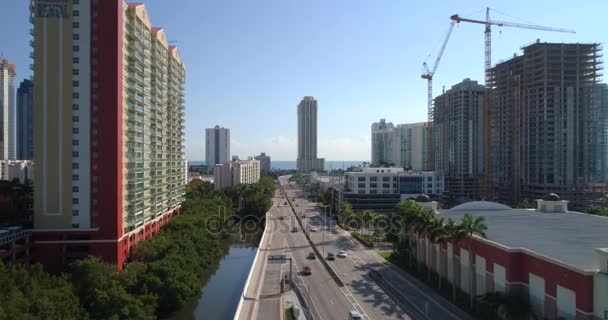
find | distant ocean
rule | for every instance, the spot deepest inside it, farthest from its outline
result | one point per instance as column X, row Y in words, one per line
column 291, row 165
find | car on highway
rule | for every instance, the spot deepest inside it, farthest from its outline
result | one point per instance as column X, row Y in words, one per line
column 354, row 315
column 331, row 256
column 306, row 270
column 294, row 229
column 342, row 254
column 314, row 229
column 281, row 218
column 285, row 203
column 297, row 204
column 311, row 256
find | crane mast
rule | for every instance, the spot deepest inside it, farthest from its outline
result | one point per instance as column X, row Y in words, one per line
column 487, row 186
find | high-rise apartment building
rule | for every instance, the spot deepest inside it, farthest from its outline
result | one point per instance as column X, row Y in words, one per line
column 217, row 145
column 108, row 129
column 549, row 123
column 410, row 146
column 8, row 114
column 383, row 134
column 307, row 137
column 25, row 120
column 264, row 162
column 458, row 142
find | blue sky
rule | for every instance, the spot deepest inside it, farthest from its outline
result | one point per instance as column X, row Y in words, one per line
column 250, row 62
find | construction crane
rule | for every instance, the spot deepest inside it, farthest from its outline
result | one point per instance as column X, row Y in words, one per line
column 428, row 74
column 488, row 34
column 487, row 185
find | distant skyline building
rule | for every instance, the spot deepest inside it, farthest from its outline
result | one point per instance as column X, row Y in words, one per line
column 410, row 146
column 22, row 170
column 25, row 120
column 8, row 112
column 549, row 123
column 307, row 137
column 382, row 143
column 217, row 145
column 108, row 130
column 264, row 162
column 458, row 143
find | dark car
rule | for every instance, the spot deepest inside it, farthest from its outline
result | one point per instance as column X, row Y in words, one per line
column 331, row 256
column 311, row 256
column 281, row 217
column 294, row 229
column 306, row 270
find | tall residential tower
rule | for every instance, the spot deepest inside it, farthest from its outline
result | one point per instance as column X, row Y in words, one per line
column 458, row 143
column 382, row 143
column 108, row 129
column 549, row 119
column 217, row 146
column 307, row 137
column 8, row 114
column 25, row 120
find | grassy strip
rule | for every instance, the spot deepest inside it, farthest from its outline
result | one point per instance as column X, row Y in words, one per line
column 385, row 254
column 289, row 314
column 365, row 240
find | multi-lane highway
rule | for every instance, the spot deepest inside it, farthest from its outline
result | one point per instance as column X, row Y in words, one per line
column 324, row 297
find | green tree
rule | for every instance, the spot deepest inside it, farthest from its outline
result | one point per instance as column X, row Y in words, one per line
column 408, row 213
column 471, row 225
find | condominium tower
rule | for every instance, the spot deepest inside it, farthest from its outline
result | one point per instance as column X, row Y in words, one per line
column 382, row 143
column 549, row 123
column 307, row 137
column 25, row 120
column 108, row 129
column 8, row 137
column 217, row 145
column 458, row 126
column 410, row 146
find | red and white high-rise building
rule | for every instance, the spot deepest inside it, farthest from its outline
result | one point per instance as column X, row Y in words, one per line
column 109, row 129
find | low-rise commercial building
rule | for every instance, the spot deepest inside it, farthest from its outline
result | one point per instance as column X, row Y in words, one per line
column 558, row 259
column 381, row 189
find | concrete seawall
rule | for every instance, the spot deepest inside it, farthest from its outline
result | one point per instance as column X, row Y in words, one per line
column 251, row 291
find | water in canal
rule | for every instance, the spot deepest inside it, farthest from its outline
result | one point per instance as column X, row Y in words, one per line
column 224, row 282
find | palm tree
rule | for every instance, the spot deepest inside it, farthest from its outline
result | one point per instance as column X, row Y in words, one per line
column 455, row 235
column 470, row 226
column 408, row 212
column 421, row 225
column 436, row 235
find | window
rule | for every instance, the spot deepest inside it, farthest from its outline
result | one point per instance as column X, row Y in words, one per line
column 386, row 179
column 75, row 177
column 76, row 25
column 75, row 119
column 75, row 36
column 75, row 95
column 373, row 178
column 74, row 142
column 75, row 48
column 76, row 1
column 75, row 225
column 75, row 107
column 75, row 72
column 75, row 189
column 75, row 213
column 361, row 179
column 76, row 84
column 76, row 13
column 76, row 60
column 75, row 165
column 75, row 154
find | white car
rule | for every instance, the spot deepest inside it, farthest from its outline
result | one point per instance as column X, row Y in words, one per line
column 314, row 229
column 342, row 254
column 354, row 315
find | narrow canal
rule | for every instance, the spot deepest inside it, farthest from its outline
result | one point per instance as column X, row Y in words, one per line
column 224, row 283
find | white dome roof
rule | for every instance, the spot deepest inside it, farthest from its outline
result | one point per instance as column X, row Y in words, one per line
column 480, row 206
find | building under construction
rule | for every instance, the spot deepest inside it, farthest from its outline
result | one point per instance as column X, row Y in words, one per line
column 549, row 124
column 458, row 130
